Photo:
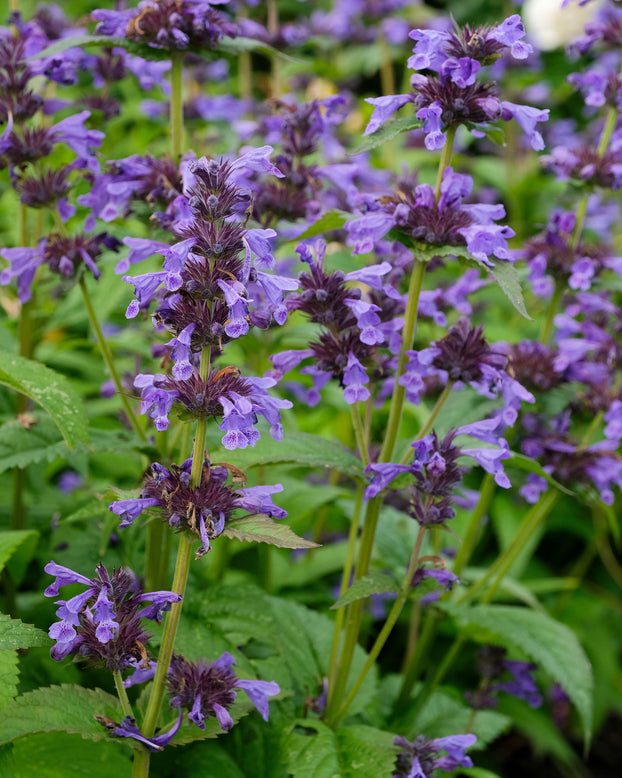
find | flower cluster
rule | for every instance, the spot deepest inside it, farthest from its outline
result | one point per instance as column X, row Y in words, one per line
column 203, row 510
column 103, row 623
column 209, row 294
column 418, row 758
column 454, row 96
column 207, row 690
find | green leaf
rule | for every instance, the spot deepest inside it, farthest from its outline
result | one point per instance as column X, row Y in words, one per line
column 506, row 276
column 297, row 448
column 59, row 708
column 332, row 220
column 60, row 755
column 17, row 634
column 9, row 677
column 51, row 390
column 316, row 751
column 386, row 132
column 21, row 446
column 552, row 645
column 531, row 466
column 374, row 583
column 10, row 541
column 264, row 529
column 239, row 44
column 83, row 41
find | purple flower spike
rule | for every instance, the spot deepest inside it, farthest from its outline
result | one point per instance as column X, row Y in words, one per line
column 419, row 758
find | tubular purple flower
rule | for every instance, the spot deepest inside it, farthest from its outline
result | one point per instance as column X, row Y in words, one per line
column 129, row 510
column 526, row 116
column 384, row 108
column 354, row 378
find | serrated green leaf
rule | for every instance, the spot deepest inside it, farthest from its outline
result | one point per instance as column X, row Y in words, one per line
column 9, row 677
column 60, row 755
column 17, row 634
column 92, row 508
column 506, row 276
column 549, row 643
column 50, row 390
column 374, row 583
column 531, row 466
column 11, row 540
column 64, row 708
column 386, row 132
column 332, row 220
column 297, row 448
column 21, row 446
column 260, row 528
column 316, row 751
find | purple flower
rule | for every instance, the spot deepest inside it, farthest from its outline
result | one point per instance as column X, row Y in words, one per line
column 419, row 758
column 103, row 622
column 384, row 108
column 128, row 728
column 354, row 378
column 210, row 690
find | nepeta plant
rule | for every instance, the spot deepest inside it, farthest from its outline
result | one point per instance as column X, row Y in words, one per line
column 378, row 306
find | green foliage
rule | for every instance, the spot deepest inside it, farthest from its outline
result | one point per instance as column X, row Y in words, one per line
column 552, row 645
column 316, row 751
column 10, row 541
column 62, row 708
column 374, row 583
column 50, row 390
column 59, row 755
column 260, row 528
column 16, row 634
column 385, row 133
column 9, row 676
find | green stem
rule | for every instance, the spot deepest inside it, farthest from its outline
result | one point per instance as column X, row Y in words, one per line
column 431, row 419
column 387, row 75
column 345, row 581
column 353, row 616
column 441, row 671
column 176, row 118
column 157, row 555
column 386, row 630
column 359, row 433
column 408, row 337
column 414, row 668
column 446, row 153
column 141, row 767
column 547, row 325
column 475, row 523
column 503, row 563
column 109, row 361
column 272, row 25
column 122, row 694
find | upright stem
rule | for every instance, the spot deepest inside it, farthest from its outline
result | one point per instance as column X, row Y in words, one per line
column 122, row 694
column 359, row 433
column 272, row 24
column 408, row 336
column 446, row 153
column 547, row 325
column 177, row 105
column 109, row 361
column 345, row 581
column 475, row 522
column 388, row 625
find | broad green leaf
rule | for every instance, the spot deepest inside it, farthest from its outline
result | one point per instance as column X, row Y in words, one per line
column 296, row 448
column 9, row 677
column 264, row 529
column 22, row 446
column 10, row 540
column 374, row 583
column 60, row 755
column 92, row 508
column 514, row 588
column 210, row 762
column 386, row 132
column 531, row 466
column 549, row 643
column 333, row 220
column 506, row 276
column 63, row 708
column 49, row 389
column 17, row 634
column 316, row 751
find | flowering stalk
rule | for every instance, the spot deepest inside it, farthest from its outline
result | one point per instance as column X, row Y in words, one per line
column 547, row 326
column 122, row 694
column 184, row 554
column 109, row 361
column 388, row 625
